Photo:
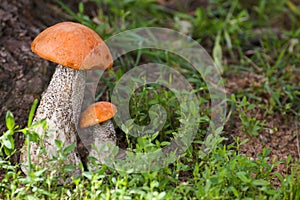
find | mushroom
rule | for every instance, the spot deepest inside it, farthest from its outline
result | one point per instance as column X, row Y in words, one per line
column 95, row 122
column 97, row 113
column 76, row 48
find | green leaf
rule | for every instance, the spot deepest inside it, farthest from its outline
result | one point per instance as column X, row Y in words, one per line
column 251, row 107
column 10, row 121
column 69, row 148
column 161, row 195
column 271, row 192
column 217, row 53
column 293, row 7
column 243, row 177
column 260, row 182
column 153, row 102
column 58, row 143
column 7, row 144
column 11, row 140
column 228, row 40
column 235, row 191
column 32, row 111
column 69, row 168
column 7, row 151
column 34, row 136
column 7, row 133
column 88, row 175
column 40, row 172
column 45, row 192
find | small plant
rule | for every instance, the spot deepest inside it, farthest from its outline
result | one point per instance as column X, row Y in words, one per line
column 251, row 125
column 6, row 140
column 223, row 173
column 7, row 144
column 37, row 179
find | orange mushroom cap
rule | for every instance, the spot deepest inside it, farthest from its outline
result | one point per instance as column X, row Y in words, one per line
column 97, row 113
column 73, row 45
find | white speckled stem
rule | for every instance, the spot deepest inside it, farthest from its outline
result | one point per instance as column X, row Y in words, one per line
column 104, row 137
column 100, row 140
column 60, row 105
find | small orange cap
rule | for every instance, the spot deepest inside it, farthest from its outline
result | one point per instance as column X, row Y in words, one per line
column 73, row 45
column 97, row 113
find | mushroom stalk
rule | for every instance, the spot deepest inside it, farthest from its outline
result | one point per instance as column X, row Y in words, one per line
column 101, row 138
column 60, row 105
column 104, row 134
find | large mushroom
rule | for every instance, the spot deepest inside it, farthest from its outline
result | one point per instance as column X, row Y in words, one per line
column 76, row 48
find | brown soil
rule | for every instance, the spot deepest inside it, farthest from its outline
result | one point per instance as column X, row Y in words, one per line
column 280, row 133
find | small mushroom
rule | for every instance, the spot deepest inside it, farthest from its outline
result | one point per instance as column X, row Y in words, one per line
column 95, row 122
column 76, row 48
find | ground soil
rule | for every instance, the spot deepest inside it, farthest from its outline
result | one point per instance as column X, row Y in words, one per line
column 280, row 132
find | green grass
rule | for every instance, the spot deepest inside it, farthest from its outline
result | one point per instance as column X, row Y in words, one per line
column 259, row 38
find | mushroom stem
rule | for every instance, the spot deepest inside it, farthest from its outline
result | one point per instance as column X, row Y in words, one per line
column 60, row 105
column 100, row 137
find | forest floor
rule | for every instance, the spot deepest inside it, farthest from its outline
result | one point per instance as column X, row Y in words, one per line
column 268, row 77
